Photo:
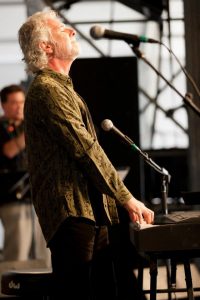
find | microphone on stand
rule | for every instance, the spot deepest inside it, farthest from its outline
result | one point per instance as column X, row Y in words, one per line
column 108, row 125
column 99, row 32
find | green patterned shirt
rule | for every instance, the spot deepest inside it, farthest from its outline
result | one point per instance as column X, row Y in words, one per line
column 64, row 155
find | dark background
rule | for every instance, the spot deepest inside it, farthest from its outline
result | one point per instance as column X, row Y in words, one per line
column 110, row 88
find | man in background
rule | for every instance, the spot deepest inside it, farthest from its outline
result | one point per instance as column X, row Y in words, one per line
column 15, row 206
column 16, row 211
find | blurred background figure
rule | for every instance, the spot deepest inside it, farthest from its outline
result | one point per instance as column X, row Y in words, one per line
column 15, row 206
column 20, row 225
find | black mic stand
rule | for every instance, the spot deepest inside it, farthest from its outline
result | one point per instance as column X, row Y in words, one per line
column 188, row 99
column 166, row 177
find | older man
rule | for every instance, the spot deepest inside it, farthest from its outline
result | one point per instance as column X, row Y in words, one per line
column 75, row 188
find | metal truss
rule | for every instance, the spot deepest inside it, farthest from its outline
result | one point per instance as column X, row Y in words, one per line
column 62, row 6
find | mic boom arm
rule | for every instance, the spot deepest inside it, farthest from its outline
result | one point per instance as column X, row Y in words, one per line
column 107, row 125
column 187, row 98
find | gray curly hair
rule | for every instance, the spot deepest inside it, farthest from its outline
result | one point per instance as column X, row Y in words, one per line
column 31, row 33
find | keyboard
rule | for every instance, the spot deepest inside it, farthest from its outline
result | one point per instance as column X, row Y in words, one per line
column 174, row 232
column 179, row 217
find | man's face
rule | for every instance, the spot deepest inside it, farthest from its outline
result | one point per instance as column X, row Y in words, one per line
column 66, row 46
column 14, row 106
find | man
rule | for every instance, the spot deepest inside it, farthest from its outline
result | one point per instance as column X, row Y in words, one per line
column 15, row 207
column 23, row 239
column 74, row 186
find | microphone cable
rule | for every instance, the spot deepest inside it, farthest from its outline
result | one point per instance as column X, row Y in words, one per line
column 187, row 74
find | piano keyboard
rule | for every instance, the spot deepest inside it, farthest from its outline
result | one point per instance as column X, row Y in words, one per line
column 166, row 237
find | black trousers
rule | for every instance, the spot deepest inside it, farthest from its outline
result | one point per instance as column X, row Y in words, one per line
column 82, row 261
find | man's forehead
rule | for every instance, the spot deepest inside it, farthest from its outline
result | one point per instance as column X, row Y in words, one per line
column 15, row 96
column 54, row 23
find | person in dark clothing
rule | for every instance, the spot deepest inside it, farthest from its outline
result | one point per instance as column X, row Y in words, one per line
column 23, row 239
column 74, row 186
column 15, row 205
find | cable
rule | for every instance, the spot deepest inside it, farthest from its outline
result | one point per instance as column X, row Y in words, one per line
column 184, row 70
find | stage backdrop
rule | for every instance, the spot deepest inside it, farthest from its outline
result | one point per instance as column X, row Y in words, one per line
column 109, row 86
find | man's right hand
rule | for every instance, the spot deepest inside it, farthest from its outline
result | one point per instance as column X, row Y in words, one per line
column 138, row 212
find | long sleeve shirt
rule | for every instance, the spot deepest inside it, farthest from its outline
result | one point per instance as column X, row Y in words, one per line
column 64, row 156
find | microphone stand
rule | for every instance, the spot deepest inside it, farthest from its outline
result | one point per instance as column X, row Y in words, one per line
column 187, row 98
column 166, row 177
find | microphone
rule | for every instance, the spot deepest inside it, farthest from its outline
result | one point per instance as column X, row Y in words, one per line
column 108, row 125
column 98, row 32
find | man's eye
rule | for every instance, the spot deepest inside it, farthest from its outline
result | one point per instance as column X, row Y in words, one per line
column 63, row 28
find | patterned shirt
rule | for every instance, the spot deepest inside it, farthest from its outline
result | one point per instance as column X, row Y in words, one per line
column 65, row 157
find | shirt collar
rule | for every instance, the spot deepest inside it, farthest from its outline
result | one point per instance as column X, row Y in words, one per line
column 58, row 76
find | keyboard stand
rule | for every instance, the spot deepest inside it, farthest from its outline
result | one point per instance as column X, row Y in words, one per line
column 171, row 259
column 173, row 244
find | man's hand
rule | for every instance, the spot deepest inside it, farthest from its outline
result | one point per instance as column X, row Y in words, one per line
column 138, row 212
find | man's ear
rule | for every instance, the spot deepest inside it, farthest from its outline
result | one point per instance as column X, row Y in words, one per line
column 46, row 47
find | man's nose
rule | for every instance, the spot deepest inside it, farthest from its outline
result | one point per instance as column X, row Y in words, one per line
column 71, row 31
